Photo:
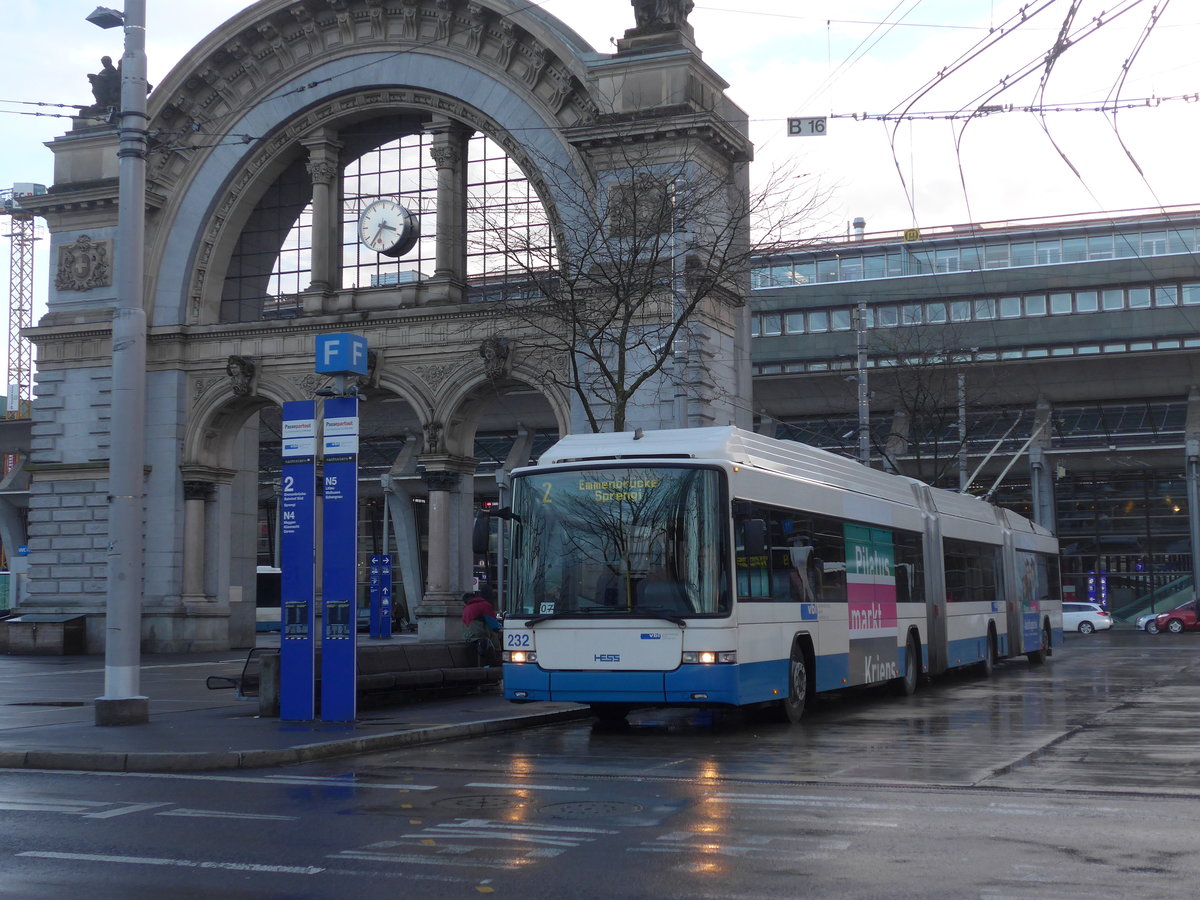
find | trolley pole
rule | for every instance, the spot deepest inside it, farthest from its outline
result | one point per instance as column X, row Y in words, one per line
column 122, row 703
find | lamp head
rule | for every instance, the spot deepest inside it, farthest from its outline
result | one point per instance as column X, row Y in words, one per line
column 106, row 18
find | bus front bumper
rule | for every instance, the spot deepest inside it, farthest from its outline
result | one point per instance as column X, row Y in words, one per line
column 721, row 685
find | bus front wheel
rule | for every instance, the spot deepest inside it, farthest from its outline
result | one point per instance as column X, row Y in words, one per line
column 792, row 708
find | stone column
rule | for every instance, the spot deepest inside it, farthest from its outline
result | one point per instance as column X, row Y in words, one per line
column 196, row 495
column 438, row 615
column 449, row 152
column 324, row 167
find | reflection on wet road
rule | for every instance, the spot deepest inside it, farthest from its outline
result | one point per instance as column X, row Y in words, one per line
column 1112, row 710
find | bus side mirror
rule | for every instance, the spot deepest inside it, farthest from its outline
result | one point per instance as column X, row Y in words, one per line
column 754, row 537
column 481, row 534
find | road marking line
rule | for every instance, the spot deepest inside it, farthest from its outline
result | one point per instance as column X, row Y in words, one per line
column 181, row 863
column 525, row 787
column 429, row 860
column 124, row 810
column 219, row 814
column 334, row 781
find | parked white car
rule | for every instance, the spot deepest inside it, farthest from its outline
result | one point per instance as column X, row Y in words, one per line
column 1085, row 617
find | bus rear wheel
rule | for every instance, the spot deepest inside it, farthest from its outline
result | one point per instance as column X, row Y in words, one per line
column 1038, row 657
column 906, row 684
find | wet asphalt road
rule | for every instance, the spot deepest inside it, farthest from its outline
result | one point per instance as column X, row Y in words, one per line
column 1073, row 781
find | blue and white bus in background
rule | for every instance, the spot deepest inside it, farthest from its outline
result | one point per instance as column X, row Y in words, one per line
column 717, row 567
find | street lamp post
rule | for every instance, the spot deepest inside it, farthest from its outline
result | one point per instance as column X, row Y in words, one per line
column 122, row 703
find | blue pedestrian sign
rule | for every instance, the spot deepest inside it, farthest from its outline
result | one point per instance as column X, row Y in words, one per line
column 297, row 649
column 339, row 571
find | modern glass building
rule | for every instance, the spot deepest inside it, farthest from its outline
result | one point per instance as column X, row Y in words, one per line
column 1051, row 363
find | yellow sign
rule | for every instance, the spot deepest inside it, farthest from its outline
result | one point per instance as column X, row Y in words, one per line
column 912, row 234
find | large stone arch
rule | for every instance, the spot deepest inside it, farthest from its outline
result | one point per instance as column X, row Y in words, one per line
column 277, row 84
column 524, row 72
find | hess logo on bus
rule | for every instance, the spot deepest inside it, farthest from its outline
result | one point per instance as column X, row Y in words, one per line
column 607, row 657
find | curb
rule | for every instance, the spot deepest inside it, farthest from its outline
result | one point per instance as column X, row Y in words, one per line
column 172, row 761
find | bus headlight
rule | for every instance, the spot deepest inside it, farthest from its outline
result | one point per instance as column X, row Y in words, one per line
column 709, row 657
column 519, row 656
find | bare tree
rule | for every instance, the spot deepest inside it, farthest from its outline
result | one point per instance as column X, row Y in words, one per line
column 919, row 383
column 636, row 254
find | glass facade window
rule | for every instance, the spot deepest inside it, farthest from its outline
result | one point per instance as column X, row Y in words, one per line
column 875, row 266
column 1112, row 299
column 985, row 309
column 935, row 313
column 1181, row 240
column 887, row 316
column 1049, row 252
column 793, row 323
column 1190, row 294
column 1139, row 298
column 818, row 321
column 771, row 325
column 1087, row 301
column 960, row 311
column 1023, row 254
column 1010, row 307
column 1166, row 295
column 996, row 256
column 910, row 314
column 1074, row 249
column 827, row 269
column 1060, row 304
column 839, row 320
column 1035, row 305
column 805, row 272
column 850, row 268
column 1100, row 246
column 946, row 260
column 1154, row 243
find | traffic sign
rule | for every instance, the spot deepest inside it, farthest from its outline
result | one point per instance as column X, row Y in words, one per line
column 809, row 126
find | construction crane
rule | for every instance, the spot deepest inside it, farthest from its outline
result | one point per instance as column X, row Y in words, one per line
column 20, row 297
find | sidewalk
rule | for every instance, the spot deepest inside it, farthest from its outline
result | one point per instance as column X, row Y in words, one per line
column 47, row 720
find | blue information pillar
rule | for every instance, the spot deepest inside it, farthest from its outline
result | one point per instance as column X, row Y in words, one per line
column 339, row 560
column 381, row 596
column 297, row 541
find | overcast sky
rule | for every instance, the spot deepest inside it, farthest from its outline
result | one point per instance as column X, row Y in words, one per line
column 835, row 58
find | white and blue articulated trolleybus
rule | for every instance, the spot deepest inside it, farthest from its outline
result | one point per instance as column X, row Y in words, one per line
column 717, row 567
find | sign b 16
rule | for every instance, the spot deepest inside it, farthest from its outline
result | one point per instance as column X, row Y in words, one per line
column 811, row 126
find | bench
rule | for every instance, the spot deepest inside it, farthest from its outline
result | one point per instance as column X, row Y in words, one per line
column 394, row 668
column 245, row 686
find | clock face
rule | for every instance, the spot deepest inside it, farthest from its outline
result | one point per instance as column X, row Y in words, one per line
column 388, row 228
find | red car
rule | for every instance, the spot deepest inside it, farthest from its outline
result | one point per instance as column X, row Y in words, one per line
column 1179, row 620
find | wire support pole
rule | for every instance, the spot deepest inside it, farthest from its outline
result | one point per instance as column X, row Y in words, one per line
column 122, row 703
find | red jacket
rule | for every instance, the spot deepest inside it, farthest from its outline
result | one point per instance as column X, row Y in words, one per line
column 475, row 608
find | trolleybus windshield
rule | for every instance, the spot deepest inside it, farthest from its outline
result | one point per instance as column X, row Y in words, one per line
column 620, row 541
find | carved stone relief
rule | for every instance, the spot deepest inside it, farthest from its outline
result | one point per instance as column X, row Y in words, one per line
column 83, row 265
